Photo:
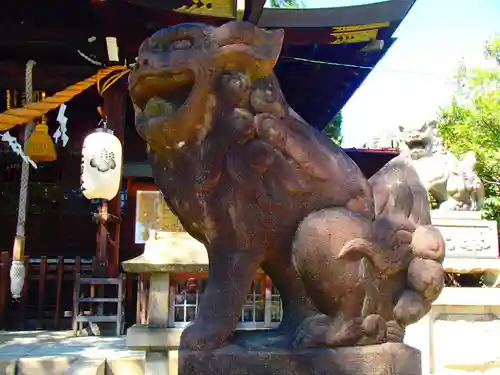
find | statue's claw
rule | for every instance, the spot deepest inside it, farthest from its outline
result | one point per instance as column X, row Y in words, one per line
column 395, row 331
column 323, row 331
column 198, row 336
column 312, row 331
column 374, row 330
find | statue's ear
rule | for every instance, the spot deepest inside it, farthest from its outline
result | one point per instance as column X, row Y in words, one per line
column 432, row 124
column 238, row 32
column 468, row 160
column 244, row 46
column 401, row 128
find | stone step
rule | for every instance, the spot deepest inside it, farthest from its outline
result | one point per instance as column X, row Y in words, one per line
column 87, row 366
column 70, row 365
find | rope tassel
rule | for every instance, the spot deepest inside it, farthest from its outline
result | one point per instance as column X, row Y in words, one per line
column 17, row 276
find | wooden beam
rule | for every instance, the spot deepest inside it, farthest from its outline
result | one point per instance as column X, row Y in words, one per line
column 161, row 4
column 50, row 78
column 253, row 10
column 13, row 33
column 115, row 101
column 380, row 12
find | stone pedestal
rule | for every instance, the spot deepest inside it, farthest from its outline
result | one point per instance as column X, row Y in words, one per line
column 470, row 315
column 385, row 359
column 471, row 243
column 156, row 362
column 460, row 333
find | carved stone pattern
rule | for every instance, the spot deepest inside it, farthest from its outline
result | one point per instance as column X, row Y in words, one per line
column 466, row 240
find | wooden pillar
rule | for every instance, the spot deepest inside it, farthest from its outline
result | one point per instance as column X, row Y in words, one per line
column 114, row 109
column 102, row 241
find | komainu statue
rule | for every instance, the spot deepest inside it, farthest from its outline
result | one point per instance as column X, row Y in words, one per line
column 355, row 260
column 452, row 182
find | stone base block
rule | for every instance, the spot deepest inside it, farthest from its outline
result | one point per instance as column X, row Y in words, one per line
column 385, row 359
column 151, row 338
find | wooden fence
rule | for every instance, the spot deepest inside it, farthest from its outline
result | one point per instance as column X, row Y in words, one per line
column 47, row 298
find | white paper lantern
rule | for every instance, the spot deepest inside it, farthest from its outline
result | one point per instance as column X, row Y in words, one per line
column 101, row 165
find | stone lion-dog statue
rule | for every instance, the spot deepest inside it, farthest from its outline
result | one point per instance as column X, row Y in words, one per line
column 355, row 260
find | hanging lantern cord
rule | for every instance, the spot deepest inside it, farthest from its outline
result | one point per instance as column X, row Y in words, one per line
column 104, row 120
column 101, row 88
column 17, row 269
column 115, row 77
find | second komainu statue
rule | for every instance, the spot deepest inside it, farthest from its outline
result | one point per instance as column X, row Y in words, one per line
column 355, row 260
column 452, row 182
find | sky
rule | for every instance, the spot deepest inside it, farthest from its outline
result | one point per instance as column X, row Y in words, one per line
column 416, row 76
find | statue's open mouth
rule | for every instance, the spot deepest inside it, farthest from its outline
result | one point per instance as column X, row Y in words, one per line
column 417, row 144
column 161, row 94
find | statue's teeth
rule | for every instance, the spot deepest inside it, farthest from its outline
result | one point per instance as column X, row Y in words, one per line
column 157, row 107
column 137, row 109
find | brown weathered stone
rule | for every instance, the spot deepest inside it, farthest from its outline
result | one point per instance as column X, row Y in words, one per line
column 384, row 359
column 259, row 187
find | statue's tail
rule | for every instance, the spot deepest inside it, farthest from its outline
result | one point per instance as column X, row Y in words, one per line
column 385, row 263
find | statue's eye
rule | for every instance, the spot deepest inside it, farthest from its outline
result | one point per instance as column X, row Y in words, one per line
column 181, row 44
column 158, row 45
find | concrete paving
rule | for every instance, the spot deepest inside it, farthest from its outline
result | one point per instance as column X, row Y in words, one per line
column 15, row 345
column 49, row 352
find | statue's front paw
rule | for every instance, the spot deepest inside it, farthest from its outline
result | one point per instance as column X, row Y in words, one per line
column 312, row 332
column 374, row 329
column 450, row 205
column 323, row 331
column 395, row 331
column 200, row 337
column 426, row 277
column 411, row 307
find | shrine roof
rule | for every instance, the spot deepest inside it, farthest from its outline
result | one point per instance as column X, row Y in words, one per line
column 327, row 53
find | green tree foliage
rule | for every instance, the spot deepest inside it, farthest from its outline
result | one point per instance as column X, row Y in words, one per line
column 472, row 122
column 334, row 129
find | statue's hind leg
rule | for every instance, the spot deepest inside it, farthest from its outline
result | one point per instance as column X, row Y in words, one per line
column 343, row 329
column 297, row 306
column 337, row 286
